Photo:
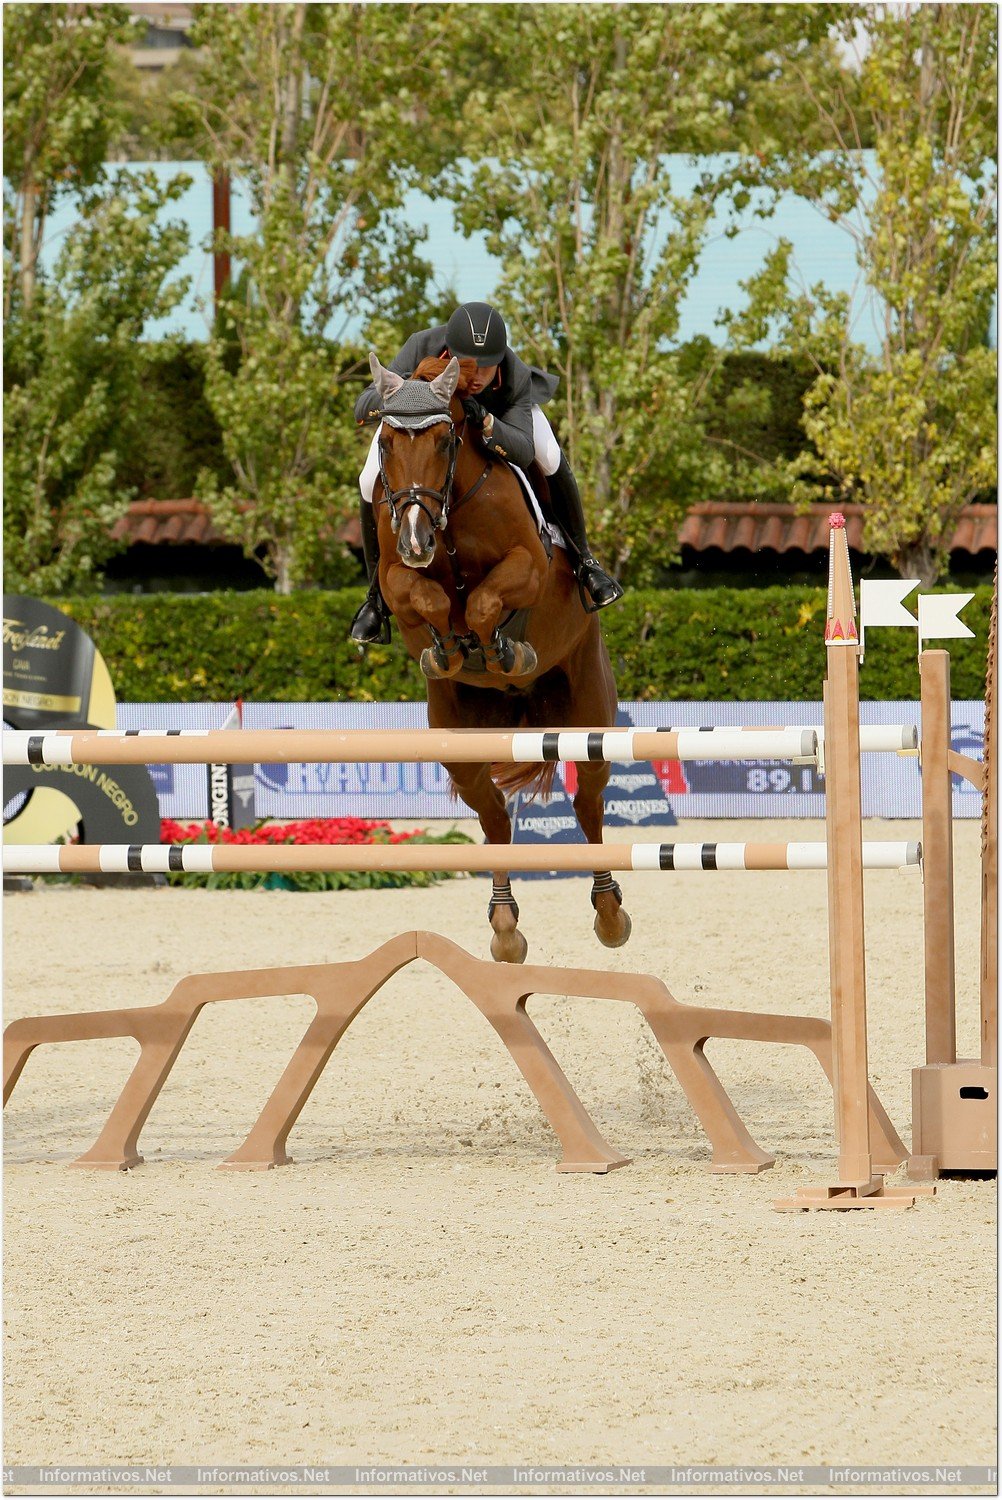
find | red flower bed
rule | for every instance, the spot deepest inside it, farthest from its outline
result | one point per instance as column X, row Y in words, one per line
column 306, row 831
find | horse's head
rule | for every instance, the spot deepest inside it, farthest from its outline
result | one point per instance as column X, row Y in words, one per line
column 418, row 444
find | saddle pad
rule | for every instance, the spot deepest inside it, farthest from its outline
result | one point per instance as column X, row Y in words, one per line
column 547, row 530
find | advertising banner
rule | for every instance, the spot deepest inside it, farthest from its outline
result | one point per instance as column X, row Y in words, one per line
column 637, row 795
column 54, row 677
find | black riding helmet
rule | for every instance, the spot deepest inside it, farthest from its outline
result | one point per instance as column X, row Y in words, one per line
column 476, row 331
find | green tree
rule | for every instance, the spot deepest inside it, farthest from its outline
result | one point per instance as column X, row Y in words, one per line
column 73, row 386
column 58, row 113
column 310, row 114
column 149, row 127
column 572, row 186
column 909, row 430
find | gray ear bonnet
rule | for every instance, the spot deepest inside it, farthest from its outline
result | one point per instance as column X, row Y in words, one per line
column 414, row 406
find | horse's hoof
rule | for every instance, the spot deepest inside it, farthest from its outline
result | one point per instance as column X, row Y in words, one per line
column 526, row 659
column 438, row 667
column 512, row 659
column 622, row 927
column 509, row 947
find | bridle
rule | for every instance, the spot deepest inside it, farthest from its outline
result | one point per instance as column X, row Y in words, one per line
column 401, row 500
column 397, row 501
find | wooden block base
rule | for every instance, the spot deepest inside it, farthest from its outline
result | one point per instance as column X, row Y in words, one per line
column 743, row 1166
column 122, row 1164
column 231, row 1165
column 954, row 1119
column 841, row 1196
column 594, row 1166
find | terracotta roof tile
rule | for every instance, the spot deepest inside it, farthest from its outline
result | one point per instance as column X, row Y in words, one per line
column 171, row 529
column 986, row 528
column 197, row 530
column 724, row 524
column 772, row 534
column 168, row 522
column 779, row 528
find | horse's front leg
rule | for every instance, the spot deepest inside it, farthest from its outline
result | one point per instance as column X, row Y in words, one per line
column 516, row 582
column 474, row 785
column 416, row 600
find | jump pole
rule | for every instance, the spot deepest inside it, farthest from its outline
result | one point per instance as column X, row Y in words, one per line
column 990, row 857
column 205, row 859
column 395, row 746
column 857, row 1186
column 127, row 747
column 954, row 1101
column 937, row 836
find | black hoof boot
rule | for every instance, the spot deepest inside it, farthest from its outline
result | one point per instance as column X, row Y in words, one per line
column 371, row 625
column 599, row 585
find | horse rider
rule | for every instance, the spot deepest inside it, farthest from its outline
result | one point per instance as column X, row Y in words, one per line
column 503, row 401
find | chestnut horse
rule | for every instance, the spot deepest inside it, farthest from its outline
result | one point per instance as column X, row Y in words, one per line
column 460, row 553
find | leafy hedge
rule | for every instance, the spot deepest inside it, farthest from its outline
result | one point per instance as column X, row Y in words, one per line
column 739, row 644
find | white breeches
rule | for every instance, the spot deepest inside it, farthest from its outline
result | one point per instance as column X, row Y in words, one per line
column 370, row 471
column 547, row 454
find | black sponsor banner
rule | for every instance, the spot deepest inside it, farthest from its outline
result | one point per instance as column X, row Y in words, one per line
column 54, row 678
column 48, row 666
column 117, row 804
column 231, row 796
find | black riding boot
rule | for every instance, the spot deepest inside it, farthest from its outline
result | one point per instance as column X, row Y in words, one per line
column 565, row 498
column 371, row 625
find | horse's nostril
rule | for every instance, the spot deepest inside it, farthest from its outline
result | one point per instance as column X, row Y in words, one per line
column 415, row 556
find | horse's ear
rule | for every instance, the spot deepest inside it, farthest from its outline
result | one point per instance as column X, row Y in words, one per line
column 445, row 384
column 385, row 381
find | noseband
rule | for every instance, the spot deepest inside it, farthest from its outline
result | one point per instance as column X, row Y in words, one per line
column 397, row 501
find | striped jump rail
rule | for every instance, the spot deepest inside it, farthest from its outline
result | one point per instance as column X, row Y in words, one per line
column 207, row 859
column 125, row 747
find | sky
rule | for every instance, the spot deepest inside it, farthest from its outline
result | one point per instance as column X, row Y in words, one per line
column 822, row 252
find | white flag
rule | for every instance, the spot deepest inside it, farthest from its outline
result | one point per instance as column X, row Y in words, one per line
column 880, row 604
column 937, row 617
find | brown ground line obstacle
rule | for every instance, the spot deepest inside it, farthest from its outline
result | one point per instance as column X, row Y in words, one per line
column 954, row 1101
column 499, row 991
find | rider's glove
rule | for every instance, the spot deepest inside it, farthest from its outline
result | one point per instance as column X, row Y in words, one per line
column 475, row 413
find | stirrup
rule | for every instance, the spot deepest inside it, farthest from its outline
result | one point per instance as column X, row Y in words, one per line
column 371, row 624
column 589, row 564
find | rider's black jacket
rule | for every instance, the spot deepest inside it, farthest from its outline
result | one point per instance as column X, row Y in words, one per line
column 516, row 389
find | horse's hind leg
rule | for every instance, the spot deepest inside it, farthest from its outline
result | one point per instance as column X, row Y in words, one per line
column 474, row 785
column 593, row 702
column 612, row 923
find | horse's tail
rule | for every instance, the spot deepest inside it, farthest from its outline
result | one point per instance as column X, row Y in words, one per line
column 533, row 777
column 510, row 777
